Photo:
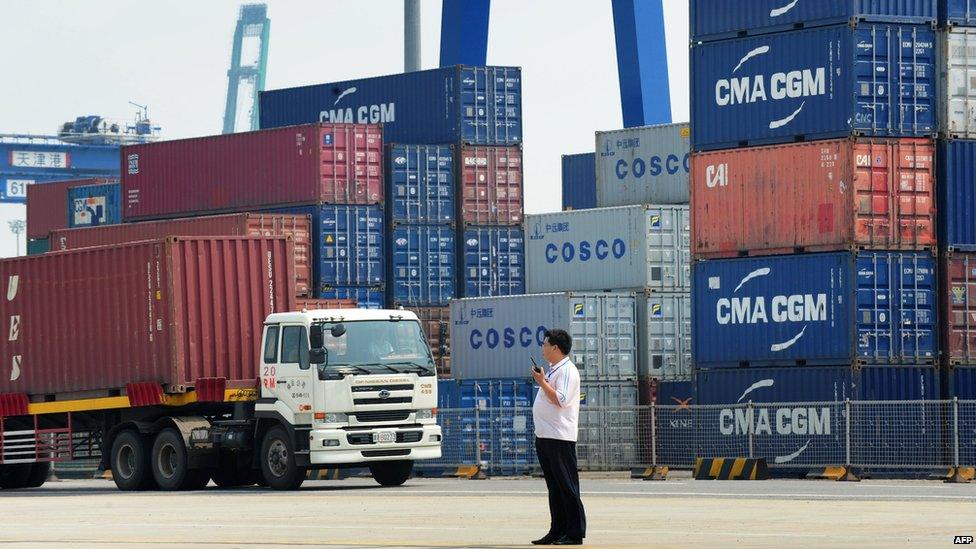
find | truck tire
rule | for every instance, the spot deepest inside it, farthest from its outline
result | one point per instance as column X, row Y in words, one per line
column 391, row 473
column 130, row 465
column 38, row 474
column 278, row 466
column 170, row 465
column 231, row 474
column 15, row 476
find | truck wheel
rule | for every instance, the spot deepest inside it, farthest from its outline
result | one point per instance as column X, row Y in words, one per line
column 278, row 461
column 130, row 462
column 38, row 474
column 230, row 474
column 170, row 465
column 13, row 477
column 391, row 473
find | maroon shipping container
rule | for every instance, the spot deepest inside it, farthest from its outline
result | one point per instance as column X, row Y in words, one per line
column 436, row 322
column 958, row 307
column 298, row 227
column 47, row 204
column 89, row 322
column 311, row 304
column 817, row 196
column 313, row 163
column 491, row 191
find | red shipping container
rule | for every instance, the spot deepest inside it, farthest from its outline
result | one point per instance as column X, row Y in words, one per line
column 89, row 322
column 313, row 163
column 47, row 204
column 436, row 322
column 491, row 191
column 958, row 307
column 298, row 227
column 310, row 304
column 817, row 196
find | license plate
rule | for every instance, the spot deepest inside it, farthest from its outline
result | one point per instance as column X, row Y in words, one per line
column 384, row 436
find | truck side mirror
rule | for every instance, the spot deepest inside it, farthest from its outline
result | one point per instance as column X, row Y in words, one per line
column 318, row 356
column 315, row 337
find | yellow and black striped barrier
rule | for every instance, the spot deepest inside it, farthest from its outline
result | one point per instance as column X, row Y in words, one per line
column 836, row 472
column 649, row 473
column 335, row 474
column 960, row 474
column 731, row 469
column 463, row 471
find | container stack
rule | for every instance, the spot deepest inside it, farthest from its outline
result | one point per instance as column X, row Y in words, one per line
column 453, row 174
column 957, row 199
column 813, row 214
column 72, row 203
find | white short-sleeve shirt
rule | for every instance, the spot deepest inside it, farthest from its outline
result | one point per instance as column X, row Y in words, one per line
column 559, row 422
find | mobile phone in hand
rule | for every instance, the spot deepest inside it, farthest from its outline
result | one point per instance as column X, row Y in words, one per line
column 535, row 366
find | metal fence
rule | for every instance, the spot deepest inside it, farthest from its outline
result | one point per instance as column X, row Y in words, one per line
column 881, row 436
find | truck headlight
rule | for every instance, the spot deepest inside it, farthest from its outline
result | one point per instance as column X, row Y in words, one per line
column 336, row 418
column 425, row 414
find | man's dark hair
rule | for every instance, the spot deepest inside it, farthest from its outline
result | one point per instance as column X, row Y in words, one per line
column 561, row 339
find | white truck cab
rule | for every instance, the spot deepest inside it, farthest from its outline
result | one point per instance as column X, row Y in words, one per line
column 347, row 387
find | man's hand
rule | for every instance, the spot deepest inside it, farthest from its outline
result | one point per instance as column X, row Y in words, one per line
column 539, row 376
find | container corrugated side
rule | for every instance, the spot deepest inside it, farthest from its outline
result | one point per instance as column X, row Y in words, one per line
column 795, row 310
column 961, row 383
column 579, row 181
column 798, row 420
column 957, row 305
column 957, row 91
column 814, row 84
column 607, row 424
column 46, row 205
column 366, row 297
column 664, row 335
column 436, row 322
column 84, row 315
column 495, row 337
column 490, row 190
column 94, row 205
column 314, row 163
column 37, row 246
column 420, row 184
column 643, row 246
column 716, row 20
column 957, row 194
column 957, row 12
column 480, row 105
column 827, row 195
column 494, row 259
column 646, row 165
column 298, row 227
column 422, row 265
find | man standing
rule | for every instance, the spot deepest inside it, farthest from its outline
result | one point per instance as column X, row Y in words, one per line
column 556, row 416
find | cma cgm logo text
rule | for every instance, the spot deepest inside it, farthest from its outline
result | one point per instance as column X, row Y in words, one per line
column 758, row 309
column 794, row 84
column 507, row 337
column 586, row 250
column 767, row 420
column 363, row 114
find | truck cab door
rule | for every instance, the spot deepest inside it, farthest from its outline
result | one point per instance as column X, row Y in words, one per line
column 289, row 379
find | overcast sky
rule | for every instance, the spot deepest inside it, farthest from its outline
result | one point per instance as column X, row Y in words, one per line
column 67, row 58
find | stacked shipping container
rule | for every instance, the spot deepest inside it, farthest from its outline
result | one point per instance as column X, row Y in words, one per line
column 773, row 318
column 71, row 203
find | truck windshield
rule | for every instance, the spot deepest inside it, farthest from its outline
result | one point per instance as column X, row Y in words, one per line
column 380, row 345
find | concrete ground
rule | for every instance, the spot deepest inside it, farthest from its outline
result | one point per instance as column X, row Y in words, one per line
column 496, row 513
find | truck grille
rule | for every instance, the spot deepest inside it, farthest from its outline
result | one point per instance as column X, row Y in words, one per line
column 382, row 415
column 401, row 437
column 389, row 400
column 385, row 453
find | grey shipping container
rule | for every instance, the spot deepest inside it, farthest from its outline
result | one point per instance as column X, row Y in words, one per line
column 957, row 94
column 664, row 335
column 644, row 246
column 643, row 165
column 494, row 337
column 607, row 425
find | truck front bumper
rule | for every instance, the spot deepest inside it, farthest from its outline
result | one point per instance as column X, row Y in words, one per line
column 335, row 446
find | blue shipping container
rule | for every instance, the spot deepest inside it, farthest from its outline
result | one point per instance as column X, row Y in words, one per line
column 872, row 79
column 94, row 205
column 366, row 298
column 459, row 104
column 675, row 393
column 956, row 164
column 960, row 382
column 957, row 12
column 719, row 19
column 805, row 424
column 579, row 181
column 831, row 308
column 494, row 259
column 420, row 183
column 422, row 260
column 347, row 244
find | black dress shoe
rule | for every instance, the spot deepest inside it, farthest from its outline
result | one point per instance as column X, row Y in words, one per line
column 566, row 540
column 547, row 539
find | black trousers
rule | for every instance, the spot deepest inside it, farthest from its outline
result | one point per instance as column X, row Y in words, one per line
column 558, row 461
